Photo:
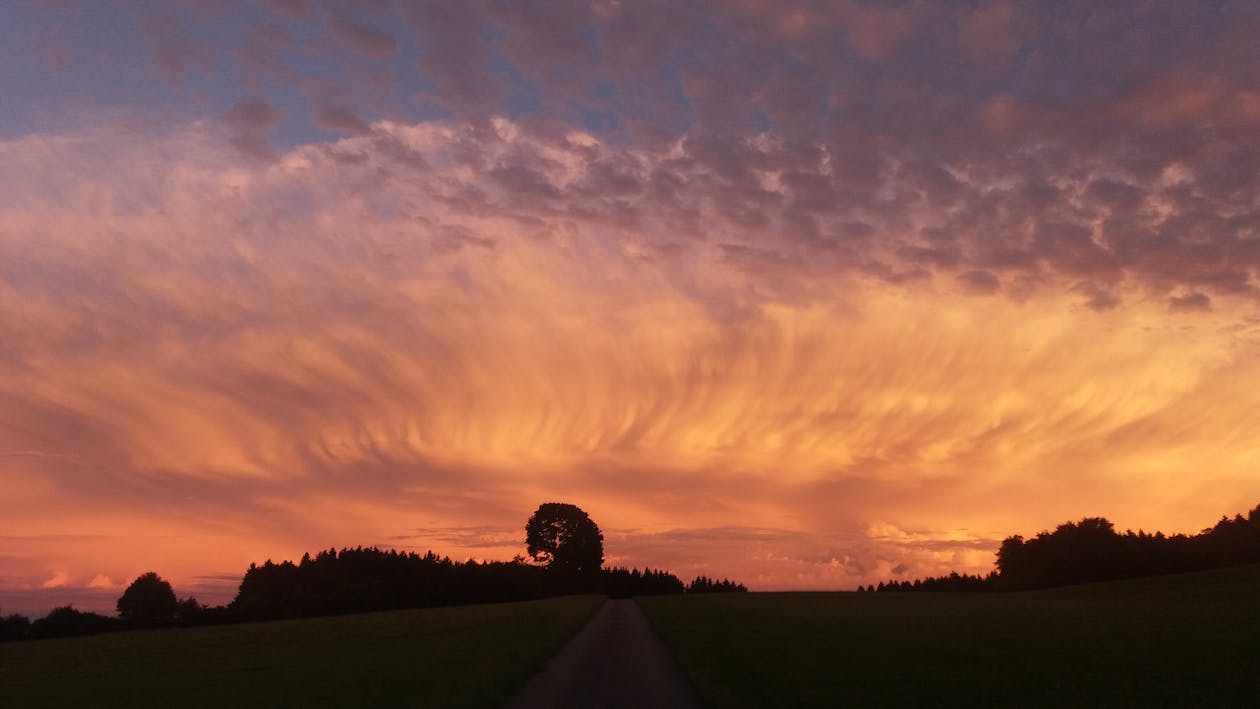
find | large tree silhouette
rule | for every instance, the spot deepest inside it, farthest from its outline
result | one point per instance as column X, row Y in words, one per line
column 564, row 538
column 149, row 599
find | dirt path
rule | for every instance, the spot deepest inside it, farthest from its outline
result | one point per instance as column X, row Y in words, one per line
column 616, row 660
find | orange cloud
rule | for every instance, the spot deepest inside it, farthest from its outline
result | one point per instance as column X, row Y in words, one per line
column 210, row 362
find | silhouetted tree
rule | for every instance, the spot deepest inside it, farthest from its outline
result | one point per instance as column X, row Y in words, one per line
column 624, row 583
column 66, row 621
column 188, row 610
column 704, row 584
column 952, row 583
column 564, row 538
column 149, row 599
column 14, row 627
column 357, row 580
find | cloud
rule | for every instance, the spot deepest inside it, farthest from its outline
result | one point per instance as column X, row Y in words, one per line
column 1097, row 298
column 1190, row 302
column 979, row 281
column 339, row 119
column 313, row 351
column 876, row 32
column 174, row 48
column 989, row 32
column 249, row 122
column 252, row 116
column 971, row 148
column 361, row 37
column 453, row 52
column 103, row 582
column 546, row 35
column 290, row 8
column 57, row 580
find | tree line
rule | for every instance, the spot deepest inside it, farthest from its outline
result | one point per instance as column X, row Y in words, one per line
column 1091, row 550
column 564, row 544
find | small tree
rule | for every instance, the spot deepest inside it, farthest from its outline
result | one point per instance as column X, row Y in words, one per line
column 188, row 609
column 14, row 627
column 148, row 599
column 564, row 538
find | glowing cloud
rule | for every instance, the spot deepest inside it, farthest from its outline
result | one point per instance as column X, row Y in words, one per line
column 793, row 308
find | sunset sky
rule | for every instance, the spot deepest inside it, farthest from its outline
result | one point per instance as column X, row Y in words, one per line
column 809, row 295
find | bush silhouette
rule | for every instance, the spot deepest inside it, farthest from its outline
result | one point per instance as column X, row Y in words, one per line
column 66, row 621
column 149, row 599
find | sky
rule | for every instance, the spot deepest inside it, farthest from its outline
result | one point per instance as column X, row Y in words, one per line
column 810, row 295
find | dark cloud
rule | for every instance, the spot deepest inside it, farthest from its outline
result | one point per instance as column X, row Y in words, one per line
column 361, row 37
column 263, row 50
column 634, row 38
column 175, row 49
column 252, row 116
column 290, row 8
column 475, row 537
column 543, row 35
column 979, row 282
column 249, row 122
column 1075, row 143
column 1190, row 302
column 454, row 54
column 341, row 119
column 1097, row 298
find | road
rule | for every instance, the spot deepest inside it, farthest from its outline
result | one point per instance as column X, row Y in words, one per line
column 615, row 661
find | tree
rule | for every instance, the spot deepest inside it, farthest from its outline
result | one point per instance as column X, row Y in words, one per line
column 189, row 610
column 14, row 627
column 66, row 621
column 148, row 599
column 564, row 538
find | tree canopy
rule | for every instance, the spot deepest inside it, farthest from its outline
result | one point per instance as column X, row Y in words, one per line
column 148, row 599
column 564, row 538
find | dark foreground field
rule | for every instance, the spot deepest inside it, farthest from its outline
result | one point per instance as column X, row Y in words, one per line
column 1189, row 640
column 469, row 656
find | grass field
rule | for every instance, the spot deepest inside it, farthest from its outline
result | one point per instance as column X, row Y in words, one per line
column 1189, row 640
column 467, row 656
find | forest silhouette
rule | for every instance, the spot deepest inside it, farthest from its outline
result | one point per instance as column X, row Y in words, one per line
column 567, row 549
column 1091, row 550
column 565, row 543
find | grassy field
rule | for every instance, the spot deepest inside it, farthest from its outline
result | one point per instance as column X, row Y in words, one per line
column 467, row 656
column 1189, row 640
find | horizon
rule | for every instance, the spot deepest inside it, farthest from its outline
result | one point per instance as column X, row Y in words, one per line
column 37, row 603
column 809, row 297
